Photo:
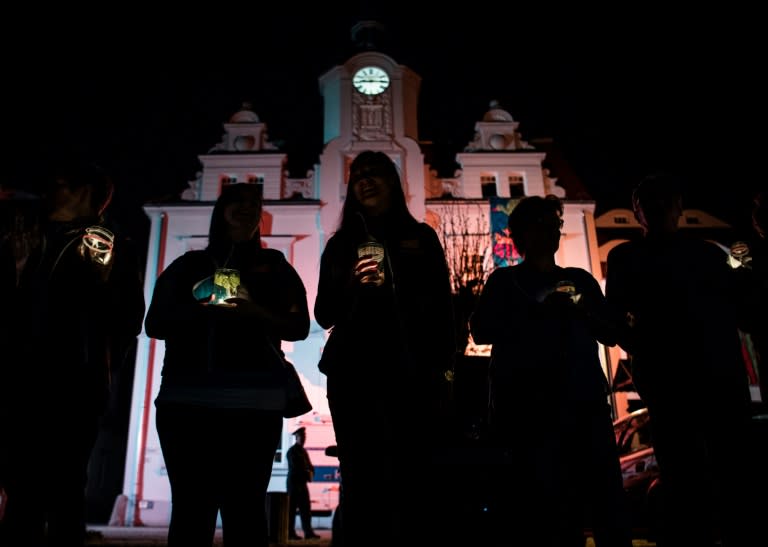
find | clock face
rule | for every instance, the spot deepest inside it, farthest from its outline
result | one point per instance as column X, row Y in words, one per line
column 371, row 80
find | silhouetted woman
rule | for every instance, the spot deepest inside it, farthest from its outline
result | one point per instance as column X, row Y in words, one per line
column 391, row 343
column 218, row 420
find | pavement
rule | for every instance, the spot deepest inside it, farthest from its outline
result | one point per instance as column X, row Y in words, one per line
column 151, row 536
column 125, row 536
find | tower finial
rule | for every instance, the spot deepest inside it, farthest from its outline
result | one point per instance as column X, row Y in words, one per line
column 367, row 34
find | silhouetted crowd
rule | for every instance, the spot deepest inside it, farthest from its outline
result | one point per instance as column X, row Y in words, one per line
column 677, row 305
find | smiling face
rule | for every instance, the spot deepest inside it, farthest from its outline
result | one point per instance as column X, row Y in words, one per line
column 372, row 188
column 243, row 215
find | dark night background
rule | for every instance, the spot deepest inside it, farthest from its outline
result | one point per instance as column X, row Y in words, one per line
column 621, row 93
column 624, row 91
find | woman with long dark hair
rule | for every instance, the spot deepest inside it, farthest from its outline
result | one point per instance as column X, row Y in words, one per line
column 391, row 344
column 219, row 415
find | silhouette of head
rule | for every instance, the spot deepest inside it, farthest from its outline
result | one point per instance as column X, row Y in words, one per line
column 374, row 188
column 657, row 203
column 535, row 223
column 301, row 435
column 236, row 215
column 78, row 189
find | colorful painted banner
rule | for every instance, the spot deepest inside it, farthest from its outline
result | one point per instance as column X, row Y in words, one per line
column 504, row 252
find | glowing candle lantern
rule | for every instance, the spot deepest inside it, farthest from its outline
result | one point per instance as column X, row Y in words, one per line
column 225, row 284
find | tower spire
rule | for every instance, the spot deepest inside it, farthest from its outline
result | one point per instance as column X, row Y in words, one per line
column 368, row 34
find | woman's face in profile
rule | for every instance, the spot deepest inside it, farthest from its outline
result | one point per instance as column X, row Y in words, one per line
column 67, row 202
column 372, row 189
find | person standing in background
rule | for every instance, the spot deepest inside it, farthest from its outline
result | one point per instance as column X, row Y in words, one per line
column 73, row 304
column 300, row 472
column 388, row 361
column 678, row 300
column 219, row 408
column 752, row 272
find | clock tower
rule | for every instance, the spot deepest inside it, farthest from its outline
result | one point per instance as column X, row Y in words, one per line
column 370, row 102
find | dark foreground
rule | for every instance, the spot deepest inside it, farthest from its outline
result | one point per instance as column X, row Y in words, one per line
column 154, row 537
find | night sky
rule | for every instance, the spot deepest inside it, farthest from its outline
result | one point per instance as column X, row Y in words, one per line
column 622, row 93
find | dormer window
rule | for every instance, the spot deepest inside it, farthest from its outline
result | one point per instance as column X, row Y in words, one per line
column 488, row 185
column 255, row 179
column 516, row 188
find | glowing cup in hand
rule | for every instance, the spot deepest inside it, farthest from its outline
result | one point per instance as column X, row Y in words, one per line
column 225, row 284
column 374, row 249
column 97, row 244
column 568, row 287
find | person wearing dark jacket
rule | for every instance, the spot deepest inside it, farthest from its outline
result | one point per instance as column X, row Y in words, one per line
column 76, row 305
column 219, row 408
column 681, row 305
column 549, row 411
column 388, row 359
column 752, row 278
column 300, row 472
column 752, row 275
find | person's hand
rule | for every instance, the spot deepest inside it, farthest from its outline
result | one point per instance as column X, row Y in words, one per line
column 565, row 304
column 367, row 271
column 558, row 300
column 246, row 307
column 631, row 321
column 240, row 300
column 96, row 270
column 445, row 404
column 237, row 302
column 96, row 250
column 242, row 293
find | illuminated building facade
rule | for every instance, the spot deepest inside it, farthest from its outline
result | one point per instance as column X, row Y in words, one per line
column 370, row 102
